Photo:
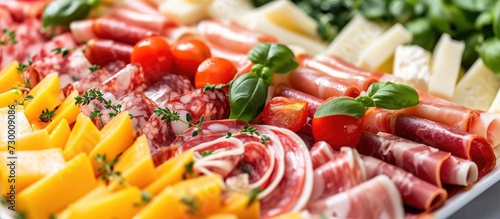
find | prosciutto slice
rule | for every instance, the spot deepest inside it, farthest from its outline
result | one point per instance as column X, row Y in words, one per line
column 414, row 191
column 312, row 101
column 321, row 152
column 358, row 202
column 320, row 85
column 344, row 171
column 323, row 64
column 459, row 143
column 427, row 163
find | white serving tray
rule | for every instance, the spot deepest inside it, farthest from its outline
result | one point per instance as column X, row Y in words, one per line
column 460, row 199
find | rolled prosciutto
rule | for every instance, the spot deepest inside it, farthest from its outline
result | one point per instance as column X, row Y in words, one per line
column 427, row 163
column 320, row 85
column 312, row 101
column 358, row 202
column 414, row 191
column 336, row 69
column 321, row 152
column 344, row 171
column 460, row 143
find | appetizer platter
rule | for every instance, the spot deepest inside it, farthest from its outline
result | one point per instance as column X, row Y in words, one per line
column 225, row 109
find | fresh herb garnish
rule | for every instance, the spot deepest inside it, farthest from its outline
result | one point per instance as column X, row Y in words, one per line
column 206, row 153
column 264, row 139
column 188, row 170
column 94, row 68
column 8, row 37
column 63, row 12
column 244, row 167
column 145, row 198
column 249, row 130
column 385, row 95
column 29, row 97
column 108, row 173
column 170, row 116
column 94, row 94
column 213, row 87
column 253, row 196
column 247, row 93
column 63, row 51
column 192, row 205
column 21, row 68
column 229, row 134
column 46, row 115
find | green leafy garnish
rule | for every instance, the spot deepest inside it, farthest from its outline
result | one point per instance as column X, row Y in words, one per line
column 213, row 87
column 206, row 153
column 277, row 57
column 169, row 115
column 192, row 205
column 94, row 94
column 253, row 196
column 94, row 68
column 46, row 115
column 106, row 168
column 8, row 37
column 63, row 12
column 188, row 170
column 490, row 53
column 385, row 95
column 63, row 51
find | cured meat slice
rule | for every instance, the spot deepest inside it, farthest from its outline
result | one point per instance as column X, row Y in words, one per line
column 313, row 102
column 149, row 21
column 488, row 126
column 168, row 87
column 90, row 81
column 344, row 171
column 142, row 6
column 230, row 35
column 29, row 41
column 224, row 155
column 320, row 85
column 339, row 64
column 358, row 202
column 321, row 152
column 240, row 60
column 131, row 78
column 425, row 162
column 22, row 10
column 197, row 103
column 113, row 29
column 414, row 191
column 361, row 81
column 103, row 51
column 137, row 105
column 459, row 143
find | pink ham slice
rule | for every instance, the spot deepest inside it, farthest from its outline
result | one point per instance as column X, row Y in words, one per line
column 320, row 85
column 324, row 64
column 359, row 202
column 321, row 152
column 414, row 191
column 459, row 143
column 425, row 162
column 344, row 171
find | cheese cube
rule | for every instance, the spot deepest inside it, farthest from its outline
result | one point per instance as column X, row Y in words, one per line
column 412, row 65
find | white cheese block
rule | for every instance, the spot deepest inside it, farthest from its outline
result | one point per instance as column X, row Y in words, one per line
column 380, row 50
column 285, row 36
column 495, row 106
column 235, row 10
column 477, row 88
column 354, row 38
column 185, row 11
column 287, row 15
column 412, row 66
column 445, row 67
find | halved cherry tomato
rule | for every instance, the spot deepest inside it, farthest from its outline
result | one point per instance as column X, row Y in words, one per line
column 337, row 130
column 189, row 54
column 286, row 112
column 214, row 71
column 154, row 54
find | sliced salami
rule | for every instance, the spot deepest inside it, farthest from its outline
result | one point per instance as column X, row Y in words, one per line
column 168, row 87
column 131, row 78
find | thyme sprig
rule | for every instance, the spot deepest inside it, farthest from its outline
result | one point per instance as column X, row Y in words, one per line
column 94, row 94
column 192, row 205
column 46, row 115
column 213, row 87
column 8, row 37
column 107, row 169
column 169, row 115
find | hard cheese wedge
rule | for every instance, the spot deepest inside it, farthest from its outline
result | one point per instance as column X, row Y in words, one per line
column 10, row 97
column 171, row 172
column 117, row 136
column 55, row 192
column 98, row 192
column 445, row 67
column 60, row 135
column 185, row 11
column 237, row 204
column 10, row 76
column 46, row 95
column 478, row 87
column 83, row 138
column 30, row 167
column 193, row 198
column 68, row 110
column 223, row 216
column 120, row 205
column 381, row 49
column 412, row 65
column 136, row 165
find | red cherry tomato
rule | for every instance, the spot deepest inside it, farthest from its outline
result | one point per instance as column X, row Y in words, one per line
column 337, row 130
column 154, row 54
column 188, row 55
column 286, row 112
column 214, row 71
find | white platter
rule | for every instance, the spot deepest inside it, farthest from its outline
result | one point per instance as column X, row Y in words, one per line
column 459, row 200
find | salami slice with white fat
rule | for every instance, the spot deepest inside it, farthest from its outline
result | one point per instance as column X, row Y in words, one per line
column 168, row 87
column 131, row 78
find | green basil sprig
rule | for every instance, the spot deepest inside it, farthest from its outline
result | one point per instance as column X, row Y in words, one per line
column 248, row 93
column 63, row 12
column 385, row 95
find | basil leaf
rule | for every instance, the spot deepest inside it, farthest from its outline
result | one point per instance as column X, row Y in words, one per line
column 470, row 54
column 374, row 8
column 484, row 19
column 438, row 16
column 374, row 88
column 474, row 5
column 401, row 10
column 496, row 19
column 247, row 96
column 395, row 96
column 423, row 34
column 490, row 53
column 462, row 21
column 277, row 57
column 63, row 12
column 341, row 106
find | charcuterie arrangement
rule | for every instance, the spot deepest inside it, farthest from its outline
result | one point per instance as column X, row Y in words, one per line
column 219, row 110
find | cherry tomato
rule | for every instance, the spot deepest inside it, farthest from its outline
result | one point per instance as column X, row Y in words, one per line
column 286, row 112
column 337, row 130
column 214, row 71
column 154, row 54
column 189, row 54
